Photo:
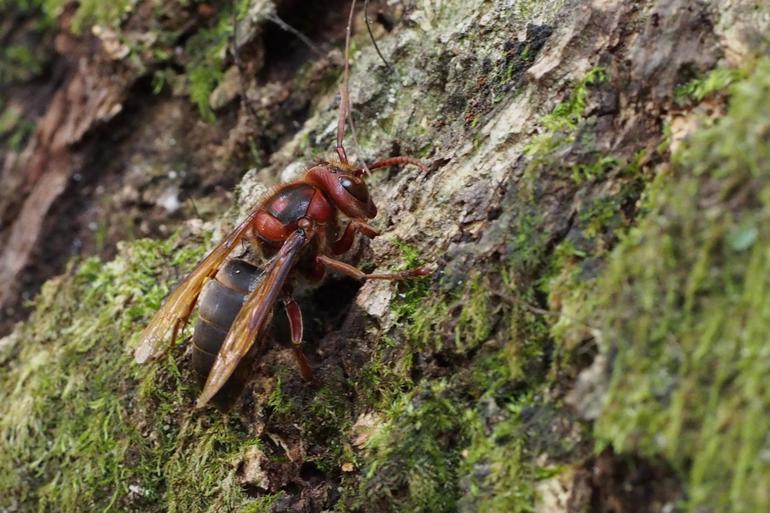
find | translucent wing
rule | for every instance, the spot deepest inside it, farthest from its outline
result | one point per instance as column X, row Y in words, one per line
column 251, row 320
column 180, row 303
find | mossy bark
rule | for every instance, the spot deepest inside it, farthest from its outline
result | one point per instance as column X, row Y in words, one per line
column 593, row 338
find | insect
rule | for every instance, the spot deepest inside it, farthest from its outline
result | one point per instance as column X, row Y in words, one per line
column 297, row 226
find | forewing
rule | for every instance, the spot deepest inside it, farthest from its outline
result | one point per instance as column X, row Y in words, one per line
column 252, row 319
column 180, row 303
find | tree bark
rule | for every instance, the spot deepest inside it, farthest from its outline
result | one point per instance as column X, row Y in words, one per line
column 543, row 367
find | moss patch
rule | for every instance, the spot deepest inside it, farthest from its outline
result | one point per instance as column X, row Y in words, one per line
column 75, row 435
column 461, row 435
column 453, row 424
column 684, row 307
column 499, row 464
column 560, row 130
column 465, row 410
column 207, row 52
column 26, row 52
column 93, row 12
column 701, row 87
column 412, row 462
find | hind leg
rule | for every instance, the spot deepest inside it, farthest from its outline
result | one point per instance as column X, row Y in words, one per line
column 294, row 314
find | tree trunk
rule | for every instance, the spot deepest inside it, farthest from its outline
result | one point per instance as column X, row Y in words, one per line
column 596, row 204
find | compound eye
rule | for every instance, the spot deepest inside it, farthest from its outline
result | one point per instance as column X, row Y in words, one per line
column 356, row 187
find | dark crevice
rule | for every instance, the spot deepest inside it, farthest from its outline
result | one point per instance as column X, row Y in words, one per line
column 309, row 471
column 629, row 484
column 326, row 308
column 323, row 23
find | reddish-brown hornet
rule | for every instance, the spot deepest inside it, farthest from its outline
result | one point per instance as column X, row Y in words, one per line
column 296, row 225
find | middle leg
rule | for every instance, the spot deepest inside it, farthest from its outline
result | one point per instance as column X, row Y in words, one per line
column 358, row 274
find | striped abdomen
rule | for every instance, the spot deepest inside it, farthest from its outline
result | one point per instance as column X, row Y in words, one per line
column 220, row 301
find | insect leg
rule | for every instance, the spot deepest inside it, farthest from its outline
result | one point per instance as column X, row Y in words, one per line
column 358, row 274
column 179, row 323
column 294, row 314
column 343, row 244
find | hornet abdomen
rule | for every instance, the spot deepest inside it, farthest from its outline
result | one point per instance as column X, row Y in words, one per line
column 220, row 301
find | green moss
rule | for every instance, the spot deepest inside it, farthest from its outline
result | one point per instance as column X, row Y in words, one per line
column 447, row 444
column 88, row 13
column 32, row 7
column 559, row 127
column 608, row 189
column 599, row 168
column 386, row 375
column 19, row 63
column 683, row 307
column 411, row 310
column 200, row 474
column 328, row 422
column 426, row 320
column 98, row 12
column 499, row 466
column 25, row 52
column 264, row 504
column 440, row 448
column 206, row 49
column 13, row 127
column 713, row 82
column 83, row 428
column 568, row 113
column 279, row 401
column 412, row 462
column 560, row 130
column 474, row 324
column 203, row 77
column 455, row 322
column 323, row 415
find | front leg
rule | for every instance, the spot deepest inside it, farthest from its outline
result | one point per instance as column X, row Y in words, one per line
column 345, row 241
column 358, row 274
